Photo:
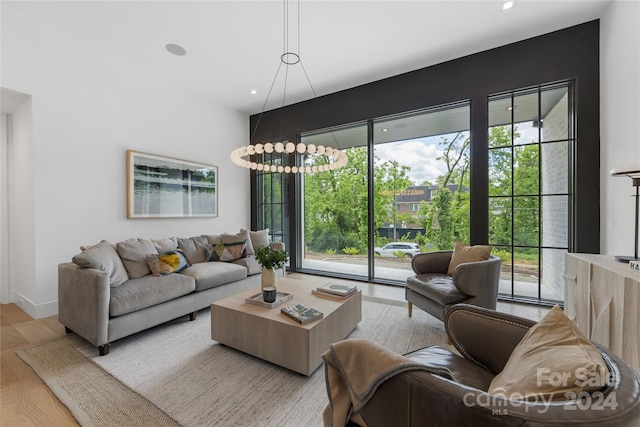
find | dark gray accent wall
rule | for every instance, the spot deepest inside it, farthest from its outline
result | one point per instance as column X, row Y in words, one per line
column 568, row 54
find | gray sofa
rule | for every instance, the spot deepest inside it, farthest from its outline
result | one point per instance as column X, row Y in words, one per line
column 109, row 291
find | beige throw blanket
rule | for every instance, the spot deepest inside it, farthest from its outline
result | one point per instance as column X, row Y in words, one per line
column 354, row 369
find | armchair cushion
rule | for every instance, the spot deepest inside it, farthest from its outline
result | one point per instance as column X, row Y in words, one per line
column 436, row 287
column 460, row 369
column 554, row 360
column 463, row 253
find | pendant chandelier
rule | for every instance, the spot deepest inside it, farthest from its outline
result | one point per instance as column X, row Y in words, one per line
column 331, row 158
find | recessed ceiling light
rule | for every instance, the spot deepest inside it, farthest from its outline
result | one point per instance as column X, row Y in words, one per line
column 384, row 130
column 507, row 5
column 176, row 49
column 509, row 108
column 253, row 92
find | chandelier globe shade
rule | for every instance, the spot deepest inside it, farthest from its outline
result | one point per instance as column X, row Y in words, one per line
column 325, row 158
column 334, row 157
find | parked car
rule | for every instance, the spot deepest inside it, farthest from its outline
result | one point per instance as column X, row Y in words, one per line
column 409, row 249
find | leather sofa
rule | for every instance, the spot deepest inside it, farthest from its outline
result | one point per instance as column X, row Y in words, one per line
column 485, row 339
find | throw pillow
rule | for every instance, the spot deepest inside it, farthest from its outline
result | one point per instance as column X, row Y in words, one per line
column 228, row 251
column 133, row 255
column 463, row 253
column 554, row 360
column 103, row 256
column 194, row 248
column 245, row 234
column 166, row 263
column 259, row 239
column 165, row 245
column 212, row 239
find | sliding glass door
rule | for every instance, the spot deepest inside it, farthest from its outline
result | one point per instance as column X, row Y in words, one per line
column 421, row 176
column 334, row 206
column 404, row 191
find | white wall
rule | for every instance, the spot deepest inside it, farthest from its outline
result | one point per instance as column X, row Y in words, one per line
column 87, row 108
column 4, row 224
column 619, row 121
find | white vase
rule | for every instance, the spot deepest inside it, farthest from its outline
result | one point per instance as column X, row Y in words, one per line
column 269, row 278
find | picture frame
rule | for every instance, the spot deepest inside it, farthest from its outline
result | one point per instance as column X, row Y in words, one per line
column 165, row 187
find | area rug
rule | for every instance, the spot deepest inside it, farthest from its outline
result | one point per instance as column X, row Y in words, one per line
column 174, row 374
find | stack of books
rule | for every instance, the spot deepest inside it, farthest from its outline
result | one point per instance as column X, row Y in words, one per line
column 302, row 313
column 335, row 291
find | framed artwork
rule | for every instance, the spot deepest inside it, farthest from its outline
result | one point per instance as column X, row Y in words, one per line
column 162, row 187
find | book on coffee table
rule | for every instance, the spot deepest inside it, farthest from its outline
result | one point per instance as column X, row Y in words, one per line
column 301, row 313
column 337, row 289
column 334, row 297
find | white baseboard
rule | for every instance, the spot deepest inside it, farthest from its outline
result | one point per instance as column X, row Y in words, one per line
column 37, row 311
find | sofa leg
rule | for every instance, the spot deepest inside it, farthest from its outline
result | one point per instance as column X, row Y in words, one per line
column 192, row 316
column 67, row 330
column 104, row 349
column 410, row 307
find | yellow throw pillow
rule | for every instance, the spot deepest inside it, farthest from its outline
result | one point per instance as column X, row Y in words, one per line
column 463, row 253
column 553, row 361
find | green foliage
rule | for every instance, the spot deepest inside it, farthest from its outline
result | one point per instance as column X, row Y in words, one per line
column 270, row 258
column 399, row 254
column 330, row 252
column 513, row 178
column 504, row 254
column 351, row 251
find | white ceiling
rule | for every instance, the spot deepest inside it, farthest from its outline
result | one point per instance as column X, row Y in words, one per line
column 235, row 46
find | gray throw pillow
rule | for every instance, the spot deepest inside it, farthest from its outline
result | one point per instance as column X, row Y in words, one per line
column 133, row 253
column 165, row 245
column 103, row 256
column 259, row 239
column 212, row 239
column 194, row 248
column 245, row 235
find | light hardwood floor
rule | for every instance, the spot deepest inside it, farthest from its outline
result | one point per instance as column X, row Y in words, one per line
column 26, row 401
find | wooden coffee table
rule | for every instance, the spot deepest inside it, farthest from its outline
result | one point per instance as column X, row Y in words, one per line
column 270, row 335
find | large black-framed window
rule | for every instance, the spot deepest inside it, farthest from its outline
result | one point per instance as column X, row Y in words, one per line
column 531, row 146
column 566, row 55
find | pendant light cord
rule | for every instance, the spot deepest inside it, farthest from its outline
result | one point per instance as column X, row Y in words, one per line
column 284, row 59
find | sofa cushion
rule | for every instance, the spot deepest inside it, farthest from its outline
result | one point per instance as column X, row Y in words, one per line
column 133, row 253
column 258, row 239
column 554, row 361
column 103, row 256
column 211, row 274
column 228, row 251
column 194, row 248
column 436, row 287
column 148, row 291
column 244, row 235
column 212, row 239
column 250, row 263
column 463, row 253
column 166, row 263
column 165, row 245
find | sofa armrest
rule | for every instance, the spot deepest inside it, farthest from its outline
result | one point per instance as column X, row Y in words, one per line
column 484, row 336
column 431, row 262
column 83, row 302
column 277, row 245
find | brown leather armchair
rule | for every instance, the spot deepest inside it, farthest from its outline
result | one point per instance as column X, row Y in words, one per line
column 434, row 291
column 486, row 339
